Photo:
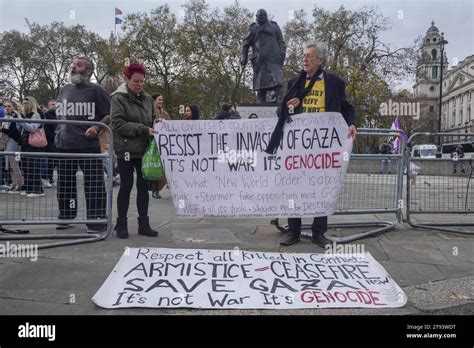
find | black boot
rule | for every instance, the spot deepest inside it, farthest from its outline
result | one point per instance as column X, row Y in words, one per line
column 121, row 228
column 144, row 227
column 291, row 238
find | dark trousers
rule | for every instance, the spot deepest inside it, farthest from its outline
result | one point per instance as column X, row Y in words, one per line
column 52, row 163
column 94, row 187
column 320, row 225
column 32, row 174
column 126, row 169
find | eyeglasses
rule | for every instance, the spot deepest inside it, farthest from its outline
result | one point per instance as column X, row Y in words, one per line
column 309, row 56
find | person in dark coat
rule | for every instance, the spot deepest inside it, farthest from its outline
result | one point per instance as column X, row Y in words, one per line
column 298, row 100
column 81, row 100
column 234, row 114
column 50, row 163
column 157, row 185
column 458, row 154
column 191, row 112
column 268, row 55
column 224, row 112
column 132, row 115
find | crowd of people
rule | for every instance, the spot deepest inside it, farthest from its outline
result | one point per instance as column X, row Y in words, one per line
column 131, row 113
column 26, row 175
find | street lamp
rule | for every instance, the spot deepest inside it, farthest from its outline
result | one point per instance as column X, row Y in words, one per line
column 441, row 43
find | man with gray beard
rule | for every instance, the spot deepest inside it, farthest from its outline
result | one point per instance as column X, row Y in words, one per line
column 81, row 100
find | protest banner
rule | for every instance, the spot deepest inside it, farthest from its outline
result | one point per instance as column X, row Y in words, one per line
column 219, row 168
column 219, row 279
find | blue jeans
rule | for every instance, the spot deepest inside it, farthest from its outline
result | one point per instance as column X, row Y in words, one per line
column 43, row 165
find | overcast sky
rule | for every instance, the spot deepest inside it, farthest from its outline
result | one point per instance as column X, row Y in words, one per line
column 409, row 18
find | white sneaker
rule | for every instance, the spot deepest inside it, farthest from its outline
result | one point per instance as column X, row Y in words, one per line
column 23, row 193
column 15, row 190
column 31, row 195
column 46, row 183
column 6, row 187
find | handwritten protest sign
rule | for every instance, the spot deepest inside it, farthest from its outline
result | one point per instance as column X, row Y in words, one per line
column 219, row 168
column 192, row 278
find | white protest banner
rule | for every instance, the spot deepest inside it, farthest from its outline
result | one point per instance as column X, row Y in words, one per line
column 192, row 278
column 219, row 168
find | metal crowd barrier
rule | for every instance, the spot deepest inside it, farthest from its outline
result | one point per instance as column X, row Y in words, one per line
column 20, row 209
column 368, row 189
column 443, row 189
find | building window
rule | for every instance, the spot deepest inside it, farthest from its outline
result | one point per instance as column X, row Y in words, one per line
column 434, row 72
column 433, row 54
column 431, row 89
column 431, row 108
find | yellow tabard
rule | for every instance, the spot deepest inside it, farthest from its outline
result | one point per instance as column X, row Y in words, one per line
column 314, row 100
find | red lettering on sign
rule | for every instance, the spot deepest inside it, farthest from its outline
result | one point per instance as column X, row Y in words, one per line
column 312, row 161
column 357, row 296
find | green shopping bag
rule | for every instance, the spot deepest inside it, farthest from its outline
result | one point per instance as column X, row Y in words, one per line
column 151, row 163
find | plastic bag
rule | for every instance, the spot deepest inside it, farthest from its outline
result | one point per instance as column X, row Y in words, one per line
column 152, row 168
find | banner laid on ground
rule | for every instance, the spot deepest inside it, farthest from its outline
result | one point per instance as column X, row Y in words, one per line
column 219, row 168
column 192, row 278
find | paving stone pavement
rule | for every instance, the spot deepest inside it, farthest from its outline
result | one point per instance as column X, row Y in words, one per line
column 435, row 269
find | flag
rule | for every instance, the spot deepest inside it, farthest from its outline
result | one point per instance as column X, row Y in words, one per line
column 396, row 140
column 118, row 20
column 118, row 11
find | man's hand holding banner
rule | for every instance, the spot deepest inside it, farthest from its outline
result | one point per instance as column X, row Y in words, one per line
column 220, row 169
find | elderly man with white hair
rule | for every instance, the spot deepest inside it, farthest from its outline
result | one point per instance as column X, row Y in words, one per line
column 313, row 90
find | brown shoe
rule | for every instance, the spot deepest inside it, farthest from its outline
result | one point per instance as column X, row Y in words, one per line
column 291, row 238
column 320, row 240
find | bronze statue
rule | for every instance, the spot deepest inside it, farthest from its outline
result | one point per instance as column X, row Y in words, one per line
column 268, row 55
